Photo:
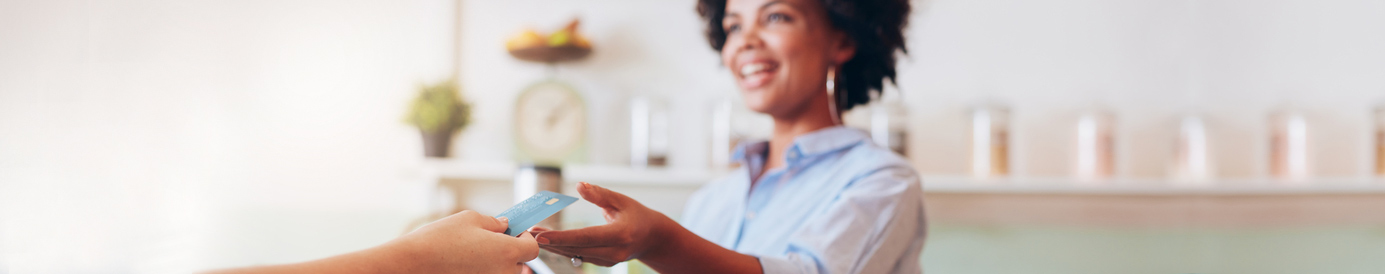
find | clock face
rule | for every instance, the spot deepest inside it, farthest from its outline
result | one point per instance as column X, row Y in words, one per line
column 550, row 120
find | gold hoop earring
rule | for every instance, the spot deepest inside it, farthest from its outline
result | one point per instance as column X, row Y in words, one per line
column 832, row 95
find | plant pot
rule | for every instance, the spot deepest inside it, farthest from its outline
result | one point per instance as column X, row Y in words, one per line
column 437, row 144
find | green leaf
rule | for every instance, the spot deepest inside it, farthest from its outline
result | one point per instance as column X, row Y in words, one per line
column 439, row 107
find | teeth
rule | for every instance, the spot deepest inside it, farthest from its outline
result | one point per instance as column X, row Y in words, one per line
column 747, row 70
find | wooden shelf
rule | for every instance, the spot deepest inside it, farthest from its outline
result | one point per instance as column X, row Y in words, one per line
column 958, row 184
column 598, row 174
column 674, row 177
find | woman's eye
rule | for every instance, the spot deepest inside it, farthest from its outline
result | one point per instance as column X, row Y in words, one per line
column 777, row 17
column 731, row 28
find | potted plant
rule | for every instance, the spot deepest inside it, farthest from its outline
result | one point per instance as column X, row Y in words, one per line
column 439, row 112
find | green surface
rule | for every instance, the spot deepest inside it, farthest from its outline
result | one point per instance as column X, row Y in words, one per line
column 253, row 237
column 958, row 249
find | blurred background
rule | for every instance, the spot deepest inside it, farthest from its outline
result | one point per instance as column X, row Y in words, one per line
column 1068, row 136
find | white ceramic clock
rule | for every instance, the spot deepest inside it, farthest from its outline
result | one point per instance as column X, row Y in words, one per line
column 550, row 122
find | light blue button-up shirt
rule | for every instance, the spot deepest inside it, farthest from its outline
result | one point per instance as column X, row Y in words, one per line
column 841, row 204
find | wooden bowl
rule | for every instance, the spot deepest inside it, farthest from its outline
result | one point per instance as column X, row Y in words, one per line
column 545, row 54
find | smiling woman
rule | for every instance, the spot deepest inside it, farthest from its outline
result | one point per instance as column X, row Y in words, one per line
column 815, row 198
column 875, row 31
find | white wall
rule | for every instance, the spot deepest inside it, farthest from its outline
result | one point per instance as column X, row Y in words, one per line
column 165, row 136
column 1149, row 61
column 641, row 47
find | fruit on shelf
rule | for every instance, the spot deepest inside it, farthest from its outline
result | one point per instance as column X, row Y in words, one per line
column 560, row 38
column 568, row 36
column 563, row 45
column 525, row 39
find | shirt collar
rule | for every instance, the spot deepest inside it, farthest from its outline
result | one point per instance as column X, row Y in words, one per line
column 804, row 146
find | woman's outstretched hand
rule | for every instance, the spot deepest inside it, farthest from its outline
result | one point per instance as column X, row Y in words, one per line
column 631, row 230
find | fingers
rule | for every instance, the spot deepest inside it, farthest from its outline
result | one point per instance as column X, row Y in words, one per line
column 602, row 197
column 602, row 235
column 484, row 222
column 610, row 253
column 538, row 229
column 588, row 259
column 498, row 224
column 603, row 263
column 529, row 249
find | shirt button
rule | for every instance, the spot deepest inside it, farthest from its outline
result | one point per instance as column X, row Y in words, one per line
column 749, row 215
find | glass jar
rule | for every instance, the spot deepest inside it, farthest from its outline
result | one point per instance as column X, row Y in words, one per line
column 1288, row 145
column 1095, row 146
column 1192, row 163
column 990, row 141
column 889, row 126
column 649, row 132
column 1380, row 141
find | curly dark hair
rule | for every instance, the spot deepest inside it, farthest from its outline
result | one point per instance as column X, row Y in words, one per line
column 876, row 28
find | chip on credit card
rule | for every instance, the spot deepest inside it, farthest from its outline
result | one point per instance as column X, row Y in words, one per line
column 533, row 210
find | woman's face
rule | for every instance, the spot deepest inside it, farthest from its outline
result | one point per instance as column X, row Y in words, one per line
column 779, row 52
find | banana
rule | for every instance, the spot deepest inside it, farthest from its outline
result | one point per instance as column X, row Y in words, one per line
column 560, row 38
column 568, row 36
column 525, row 39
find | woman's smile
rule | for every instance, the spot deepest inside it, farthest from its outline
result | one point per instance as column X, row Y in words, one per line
column 756, row 73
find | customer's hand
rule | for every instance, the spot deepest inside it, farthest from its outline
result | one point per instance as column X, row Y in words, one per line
column 464, row 243
column 631, row 230
column 467, row 242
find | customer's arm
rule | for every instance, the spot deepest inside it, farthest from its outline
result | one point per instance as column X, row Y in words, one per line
column 634, row 231
column 466, row 242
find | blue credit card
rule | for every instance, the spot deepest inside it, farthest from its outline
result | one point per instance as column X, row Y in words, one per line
column 531, row 211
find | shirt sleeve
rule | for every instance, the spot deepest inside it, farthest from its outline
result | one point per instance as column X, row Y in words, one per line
column 868, row 228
